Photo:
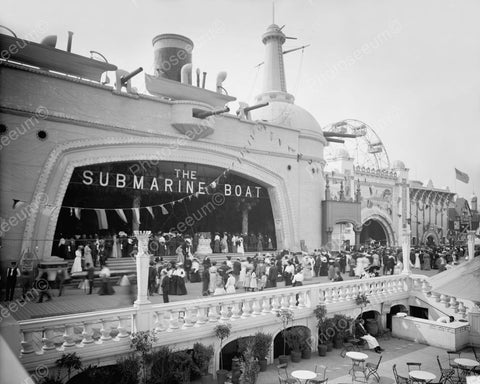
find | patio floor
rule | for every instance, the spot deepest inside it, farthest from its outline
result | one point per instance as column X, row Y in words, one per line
column 397, row 351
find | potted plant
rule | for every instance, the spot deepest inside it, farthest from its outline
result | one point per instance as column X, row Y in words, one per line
column 341, row 325
column 320, row 313
column 306, row 344
column 294, row 339
column 286, row 317
column 222, row 331
column 262, row 344
column 250, row 364
column 202, row 355
column 362, row 300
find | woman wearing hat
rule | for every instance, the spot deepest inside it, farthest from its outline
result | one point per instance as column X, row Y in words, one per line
column 219, row 285
column 230, row 284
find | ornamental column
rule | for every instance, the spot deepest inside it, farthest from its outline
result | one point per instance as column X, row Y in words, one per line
column 358, row 231
column 406, row 251
column 143, row 319
column 471, row 245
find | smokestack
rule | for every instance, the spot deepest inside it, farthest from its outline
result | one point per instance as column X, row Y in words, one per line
column 171, row 53
column 204, row 78
column 69, row 44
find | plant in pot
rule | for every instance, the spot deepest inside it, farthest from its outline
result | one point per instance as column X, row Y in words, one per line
column 286, row 317
column 250, row 364
column 341, row 325
column 323, row 323
column 222, row 332
column 294, row 339
column 362, row 300
column 307, row 343
column 262, row 344
column 202, row 356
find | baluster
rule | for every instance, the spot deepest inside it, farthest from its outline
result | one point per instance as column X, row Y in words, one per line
column 202, row 316
column 276, row 304
column 27, row 343
column 348, row 293
column 308, row 300
column 292, row 301
column 256, row 308
column 246, row 309
column 236, row 311
column 174, row 322
column 224, row 312
column 187, row 319
column 354, row 291
column 159, row 325
column 334, row 295
column 328, row 296
column 122, row 327
column 301, row 300
column 266, row 307
column 68, row 336
column 212, row 314
column 194, row 315
column 47, row 339
column 443, row 299
column 87, row 333
column 105, row 332
column 395, row 287
column 321, row 296
column 284, row 301
column 454, row 304
column 436, row 296
column 341, row 294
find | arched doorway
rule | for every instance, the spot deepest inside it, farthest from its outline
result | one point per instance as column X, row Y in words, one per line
column 372, row 321
column 232, row 350
column 393, row 311
column 278, row 341
column 56, row 175
column 372, row 230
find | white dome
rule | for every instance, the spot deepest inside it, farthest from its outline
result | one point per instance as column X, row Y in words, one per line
column 288, row 115
column 398, row 164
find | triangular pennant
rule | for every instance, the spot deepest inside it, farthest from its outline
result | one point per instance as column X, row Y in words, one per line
column 17, row 203
column 136, row 215
column 77, row 213
column 214, row 184
column 150, row 210
column 122, row 215
column 164, row 210
column 102, row 219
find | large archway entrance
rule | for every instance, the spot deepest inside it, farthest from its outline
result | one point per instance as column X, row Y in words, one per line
column 64, row 159
column 166, row 198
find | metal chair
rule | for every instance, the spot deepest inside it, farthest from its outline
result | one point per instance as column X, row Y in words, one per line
column 414, row 366
column 347, row 347
column 399, row 379
column 283, row 376
column 372, row 369
column 321, row 371
column 476, row 370
column 452, row 355
column 447, row 373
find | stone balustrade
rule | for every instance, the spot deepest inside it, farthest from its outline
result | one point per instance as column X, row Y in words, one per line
column 100, row 333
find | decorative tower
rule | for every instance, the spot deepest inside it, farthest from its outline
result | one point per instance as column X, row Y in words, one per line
column 274, row 84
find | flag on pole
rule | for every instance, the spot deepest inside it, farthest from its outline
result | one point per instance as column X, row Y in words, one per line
column 150, row 210
column 77, row 213
column 462, row 176
column 136, row 215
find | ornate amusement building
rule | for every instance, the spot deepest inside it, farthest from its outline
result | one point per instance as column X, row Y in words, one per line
column 368, row 198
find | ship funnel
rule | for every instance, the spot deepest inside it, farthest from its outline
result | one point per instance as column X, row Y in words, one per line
column 171, row 53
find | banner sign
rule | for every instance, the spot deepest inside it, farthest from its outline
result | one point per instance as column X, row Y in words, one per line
column 184, row 181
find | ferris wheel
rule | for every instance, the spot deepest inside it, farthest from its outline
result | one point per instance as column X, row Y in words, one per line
column 361, row 142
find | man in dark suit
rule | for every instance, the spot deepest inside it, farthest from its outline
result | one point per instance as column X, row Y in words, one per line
column 12, row 273
column 165, row 286
column 272, row 276
column 90, row 277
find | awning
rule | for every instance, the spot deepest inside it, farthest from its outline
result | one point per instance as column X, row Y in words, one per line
column 462, row 282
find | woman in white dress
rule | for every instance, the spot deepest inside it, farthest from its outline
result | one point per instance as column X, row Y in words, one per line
column 115, row 254
column 213, row 277
column 87, row 254
column 219, row 287
column 253, row 282
column 362, row 263
column 240, row 248
column 77, row 263
column 417, row 260
column 224, row 244
column 230, row 285
column 243, row 272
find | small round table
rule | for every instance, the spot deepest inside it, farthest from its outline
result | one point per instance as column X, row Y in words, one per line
column 358, row 356
column 303, row 375
column 466, row 365
column 422, row 376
